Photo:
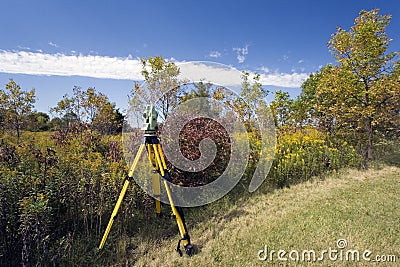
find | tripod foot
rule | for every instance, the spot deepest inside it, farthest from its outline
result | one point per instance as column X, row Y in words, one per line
column 189, row 249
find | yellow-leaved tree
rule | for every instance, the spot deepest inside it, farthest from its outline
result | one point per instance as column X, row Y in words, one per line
column 359, row 97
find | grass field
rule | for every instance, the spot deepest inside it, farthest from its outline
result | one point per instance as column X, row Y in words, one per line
column 347, row 214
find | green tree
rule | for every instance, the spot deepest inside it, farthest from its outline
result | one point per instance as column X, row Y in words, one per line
column 253, row 95
column 202, row 91
column 361, row 93
column 301, row 113
column 69, row 119
column 282, row 109
column 162, row 87
column 308, row 99
column 89, row 108
column 16, row 105
column 70, row 107
column 55, row 123
column 2, row 118
column 318, row 102
column 293, row 114
column 108, row 119
column 38, row 121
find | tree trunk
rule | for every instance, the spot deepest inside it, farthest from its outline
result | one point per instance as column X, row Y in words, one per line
column 18, row 131
column 369, row 142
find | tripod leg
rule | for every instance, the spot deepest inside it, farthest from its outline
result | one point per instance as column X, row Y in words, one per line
column 181, row 226
column 121, row 195
column 158, row 157
column 177, row 211
column 155, row 179
column 180, row 220
column 164, row 165
column 156, row 186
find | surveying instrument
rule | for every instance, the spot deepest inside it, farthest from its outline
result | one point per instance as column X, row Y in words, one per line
column 160, row 174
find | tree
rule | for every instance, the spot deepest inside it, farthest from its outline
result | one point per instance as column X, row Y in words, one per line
column 319, row 102
column 282, row 108
column 16, row 105
column 69, row 108
column 89, row 109
column 301, row 113
column 308, row 99
column 69, row 119
column 108, row 119
column 162, row 87
column 361, row 93
column 55, row 123
column 2, row 117
column 201, row 91
column 253, row 95
column 38, row 121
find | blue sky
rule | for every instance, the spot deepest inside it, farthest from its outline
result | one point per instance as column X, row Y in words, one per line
column 54, row 45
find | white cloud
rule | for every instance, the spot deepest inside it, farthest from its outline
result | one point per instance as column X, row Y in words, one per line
column 33, row 63
column 241, row 53
column 264, row 69
column 24, row 47
column 210, row 72
column 214, row 54
column 53, row 44
column 229, row 76
column 291, row 80
column 171, row 59
column 68, row 65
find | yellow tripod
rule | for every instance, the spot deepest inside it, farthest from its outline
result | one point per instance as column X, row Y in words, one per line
column 156, row 158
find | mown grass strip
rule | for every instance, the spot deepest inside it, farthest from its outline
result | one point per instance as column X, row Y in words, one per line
column 361, row 207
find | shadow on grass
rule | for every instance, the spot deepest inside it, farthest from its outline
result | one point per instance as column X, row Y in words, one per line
column 392, row 159
column 233, row 214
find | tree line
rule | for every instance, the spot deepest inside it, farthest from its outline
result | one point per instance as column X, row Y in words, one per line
column 84, row 107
